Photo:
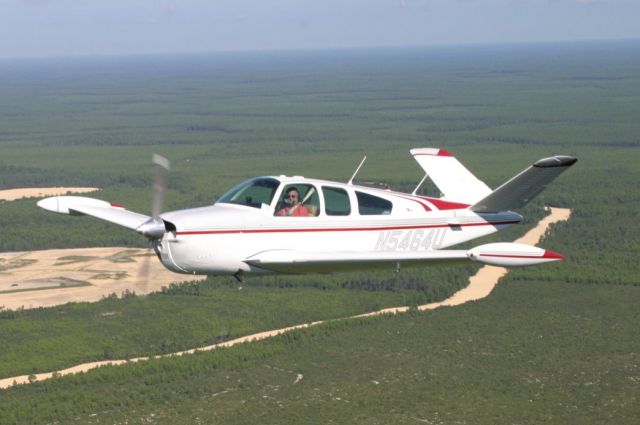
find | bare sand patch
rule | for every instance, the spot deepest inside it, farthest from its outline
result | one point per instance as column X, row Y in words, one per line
column 480, row 286
column 41, row 278
column 41, row 192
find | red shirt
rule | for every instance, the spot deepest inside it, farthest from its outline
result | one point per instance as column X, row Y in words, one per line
column 298, row 211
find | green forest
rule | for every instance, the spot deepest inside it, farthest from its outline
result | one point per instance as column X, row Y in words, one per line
column 531, row 353
column 554, row 344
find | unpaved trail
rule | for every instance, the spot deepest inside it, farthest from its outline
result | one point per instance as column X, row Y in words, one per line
column 480, row 286
column 482, row 283
column 40, row 192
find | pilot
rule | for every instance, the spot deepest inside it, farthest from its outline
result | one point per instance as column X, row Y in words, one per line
column 292, row 206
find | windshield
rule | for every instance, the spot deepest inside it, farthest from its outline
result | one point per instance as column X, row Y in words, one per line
column 252, row 193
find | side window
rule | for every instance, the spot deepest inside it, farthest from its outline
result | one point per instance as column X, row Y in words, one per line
column 298, row 200
column 372, row 205
column 336, row 201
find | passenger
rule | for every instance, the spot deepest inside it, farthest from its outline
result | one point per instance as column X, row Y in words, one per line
column 292, row 206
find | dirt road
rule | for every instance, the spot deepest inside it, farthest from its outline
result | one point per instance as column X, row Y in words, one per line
column 480, row 286
column 40, row 192
column 482, row 283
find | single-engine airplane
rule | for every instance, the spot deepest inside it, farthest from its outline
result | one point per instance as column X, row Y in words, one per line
column 280, row 224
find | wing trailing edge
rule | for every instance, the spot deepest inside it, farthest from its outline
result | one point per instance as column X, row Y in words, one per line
column 287, row 261
column 79, row 205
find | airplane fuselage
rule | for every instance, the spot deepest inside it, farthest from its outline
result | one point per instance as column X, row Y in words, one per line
column 219, row 239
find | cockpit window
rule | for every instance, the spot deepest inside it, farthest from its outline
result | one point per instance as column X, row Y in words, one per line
column 298, row 200
column 252, row 193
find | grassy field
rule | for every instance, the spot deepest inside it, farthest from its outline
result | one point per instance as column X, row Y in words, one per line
column 557, row 344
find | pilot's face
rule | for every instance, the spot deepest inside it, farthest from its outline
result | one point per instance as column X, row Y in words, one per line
column 291, row 197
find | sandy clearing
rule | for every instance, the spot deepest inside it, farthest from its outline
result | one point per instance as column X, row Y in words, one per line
column 106, row 270
column 480, row 286
column 33, row 279
column 41, row 192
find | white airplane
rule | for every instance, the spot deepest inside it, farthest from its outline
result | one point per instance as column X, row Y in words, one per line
column 280, row 224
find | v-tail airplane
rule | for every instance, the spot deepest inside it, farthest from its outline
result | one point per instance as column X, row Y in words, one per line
column 281, row 224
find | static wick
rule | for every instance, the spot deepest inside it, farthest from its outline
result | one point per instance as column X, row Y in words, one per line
column 357, row 169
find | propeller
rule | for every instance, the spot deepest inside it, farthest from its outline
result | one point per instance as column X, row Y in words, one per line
column 161, row 166
column 154, row 228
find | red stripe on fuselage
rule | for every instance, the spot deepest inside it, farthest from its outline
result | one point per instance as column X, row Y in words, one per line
column 438, row 203
column 445, row 205
column 337, row 229
column 415, row 199
column 424, row 206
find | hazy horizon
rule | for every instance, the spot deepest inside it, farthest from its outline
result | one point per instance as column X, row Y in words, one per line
column 72, row 28
column 474, row 48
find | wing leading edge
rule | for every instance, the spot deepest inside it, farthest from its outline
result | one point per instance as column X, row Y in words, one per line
column 78, row 205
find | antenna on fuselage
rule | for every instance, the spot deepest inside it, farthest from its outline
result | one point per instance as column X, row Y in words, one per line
column 357, row 169
column 419, row 184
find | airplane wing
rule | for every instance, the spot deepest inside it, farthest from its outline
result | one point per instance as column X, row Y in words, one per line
column 286, row 261
column 503, row 254
column 454, row 180
column 522, row 188
column 79, row 205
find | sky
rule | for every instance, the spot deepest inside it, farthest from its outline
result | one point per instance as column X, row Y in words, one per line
column 63, row 28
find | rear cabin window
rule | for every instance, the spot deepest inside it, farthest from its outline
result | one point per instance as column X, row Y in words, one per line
column 372, row 205
column 336, row 201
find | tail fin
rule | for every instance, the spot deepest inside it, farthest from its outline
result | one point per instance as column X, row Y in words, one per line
column 522, row 188
column 452, row 178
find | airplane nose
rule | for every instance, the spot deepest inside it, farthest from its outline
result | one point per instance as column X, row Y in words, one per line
column 49, row 204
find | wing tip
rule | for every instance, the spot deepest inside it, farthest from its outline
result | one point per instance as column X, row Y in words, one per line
column 556, row 161
column 430, row 152
column 551, row 255
column 49, row 204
